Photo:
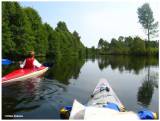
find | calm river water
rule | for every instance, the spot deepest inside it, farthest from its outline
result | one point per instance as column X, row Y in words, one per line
column 134, row 80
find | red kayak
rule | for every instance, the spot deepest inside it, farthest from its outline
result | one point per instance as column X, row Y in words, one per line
column 23, row 74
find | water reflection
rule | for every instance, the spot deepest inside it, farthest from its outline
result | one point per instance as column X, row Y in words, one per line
column 65, row 69
column 69, row 67
column 44, row 97
column 124, row 63
column 14, row 94
column 29, row 95
column 146, row 90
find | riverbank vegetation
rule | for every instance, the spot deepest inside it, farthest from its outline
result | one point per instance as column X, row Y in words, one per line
column 132, row 45
column 128, row 46
column 23, row 30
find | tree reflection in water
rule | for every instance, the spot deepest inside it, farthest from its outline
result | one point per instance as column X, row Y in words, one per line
column 28, row 96
column 129, row 63
column 146, row 90
column 65, row 69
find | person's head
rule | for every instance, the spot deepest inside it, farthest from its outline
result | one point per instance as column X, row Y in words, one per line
column 31, row 54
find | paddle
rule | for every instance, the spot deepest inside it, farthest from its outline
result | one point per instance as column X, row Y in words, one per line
column 48, row 64
column 7, row 62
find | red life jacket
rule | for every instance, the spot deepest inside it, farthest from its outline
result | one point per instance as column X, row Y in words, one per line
column 29, row 63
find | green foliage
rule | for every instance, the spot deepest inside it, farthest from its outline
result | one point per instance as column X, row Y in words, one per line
column 18, row 26
column 128, row 46
column 23, row 30
column 8, row 44
column 103, row 46
column 146, row 19
column 38, row 31
column 70, row 43
column 138, row 46
column 116, row 46
column 50, row 38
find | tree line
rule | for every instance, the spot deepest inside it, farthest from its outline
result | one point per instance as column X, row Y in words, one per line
column 128, row 46
column 23, row 30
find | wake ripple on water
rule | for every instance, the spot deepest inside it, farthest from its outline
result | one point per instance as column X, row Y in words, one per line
column 32, row 94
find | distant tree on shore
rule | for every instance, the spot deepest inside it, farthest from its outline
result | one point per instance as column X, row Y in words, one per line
column 146, row 19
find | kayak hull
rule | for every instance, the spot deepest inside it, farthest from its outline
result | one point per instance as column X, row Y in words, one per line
column 103, row 94
column 23, row 74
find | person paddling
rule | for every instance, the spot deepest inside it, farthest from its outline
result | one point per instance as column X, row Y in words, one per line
column 30, row 62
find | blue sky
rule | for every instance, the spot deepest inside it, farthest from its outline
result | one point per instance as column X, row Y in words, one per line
column 95, row 20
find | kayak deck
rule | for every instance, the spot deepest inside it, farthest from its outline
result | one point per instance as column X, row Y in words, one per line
column 103, row 94
column 23, row 74
column 103, row 98
column 103, row 105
